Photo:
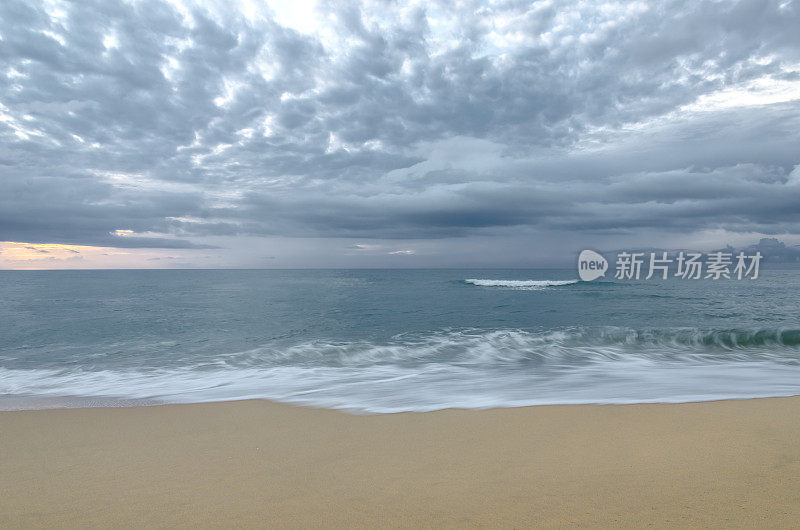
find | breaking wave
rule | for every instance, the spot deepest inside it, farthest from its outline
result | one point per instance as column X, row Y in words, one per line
column 458, row 369
column 520, row 284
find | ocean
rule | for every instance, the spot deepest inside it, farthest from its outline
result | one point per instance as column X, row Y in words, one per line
column 381, row 341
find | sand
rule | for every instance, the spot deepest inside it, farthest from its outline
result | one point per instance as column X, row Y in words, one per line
column 255, row 463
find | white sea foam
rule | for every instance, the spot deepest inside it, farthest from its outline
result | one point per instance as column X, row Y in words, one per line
column 459, row 369
column 520, row 284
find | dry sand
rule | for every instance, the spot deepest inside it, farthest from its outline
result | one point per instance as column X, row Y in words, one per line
column 255, row 463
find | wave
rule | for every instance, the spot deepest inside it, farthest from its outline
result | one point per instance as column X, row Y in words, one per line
column 468, row 368
column 521, row 284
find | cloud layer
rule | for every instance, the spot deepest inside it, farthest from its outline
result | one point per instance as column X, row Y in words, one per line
column 199, row 125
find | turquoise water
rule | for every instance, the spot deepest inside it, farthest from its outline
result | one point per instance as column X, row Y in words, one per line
column 392, row 340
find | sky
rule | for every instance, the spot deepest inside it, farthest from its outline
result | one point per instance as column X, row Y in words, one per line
column 248, row 134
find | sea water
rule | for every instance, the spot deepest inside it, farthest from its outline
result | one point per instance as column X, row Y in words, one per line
column 392, row 340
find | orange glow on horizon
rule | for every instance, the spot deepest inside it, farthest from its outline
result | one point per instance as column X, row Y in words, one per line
column 35, row 256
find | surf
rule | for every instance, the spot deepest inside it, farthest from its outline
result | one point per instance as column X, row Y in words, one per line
column 467, row 368
column 520, row 284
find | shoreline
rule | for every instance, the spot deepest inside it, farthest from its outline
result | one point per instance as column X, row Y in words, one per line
column 22, row 403
column 260, row 463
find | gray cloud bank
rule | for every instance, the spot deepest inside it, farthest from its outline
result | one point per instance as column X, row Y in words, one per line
column 389, row 121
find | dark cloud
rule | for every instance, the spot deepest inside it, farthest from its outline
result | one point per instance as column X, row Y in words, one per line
column 448, row 120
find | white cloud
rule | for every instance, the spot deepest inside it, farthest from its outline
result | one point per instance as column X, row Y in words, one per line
column 185, row 121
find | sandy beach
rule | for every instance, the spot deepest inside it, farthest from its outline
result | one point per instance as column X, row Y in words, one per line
column 256, row 463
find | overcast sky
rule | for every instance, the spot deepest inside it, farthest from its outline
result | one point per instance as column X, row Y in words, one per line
column 346, row 134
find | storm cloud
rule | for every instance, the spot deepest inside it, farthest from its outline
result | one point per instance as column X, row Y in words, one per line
column 169, row 124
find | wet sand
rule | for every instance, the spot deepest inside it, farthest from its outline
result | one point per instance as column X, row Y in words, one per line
column 255, row 463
